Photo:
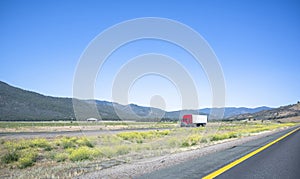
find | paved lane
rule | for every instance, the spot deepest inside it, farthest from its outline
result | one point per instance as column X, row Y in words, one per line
column 202, row 166
column 281, row 160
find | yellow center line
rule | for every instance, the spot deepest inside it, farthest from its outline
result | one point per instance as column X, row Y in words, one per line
column 236, row 162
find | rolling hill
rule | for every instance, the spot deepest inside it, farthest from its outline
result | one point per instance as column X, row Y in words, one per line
column 288, row 111
column 20, row 105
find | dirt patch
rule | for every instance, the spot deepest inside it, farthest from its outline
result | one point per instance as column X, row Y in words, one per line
column 290, row 119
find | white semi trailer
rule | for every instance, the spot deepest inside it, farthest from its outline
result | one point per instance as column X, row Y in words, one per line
column 190, row 120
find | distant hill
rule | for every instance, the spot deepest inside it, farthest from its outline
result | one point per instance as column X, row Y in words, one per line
column 20, row 105
column 273, row 114
column 228, row 111
column 233, row 111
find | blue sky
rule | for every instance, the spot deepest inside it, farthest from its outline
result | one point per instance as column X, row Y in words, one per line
column 257, row 44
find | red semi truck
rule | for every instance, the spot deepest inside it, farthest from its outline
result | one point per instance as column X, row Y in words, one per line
column 191, row 120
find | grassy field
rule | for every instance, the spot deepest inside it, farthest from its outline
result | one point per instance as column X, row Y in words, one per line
column 76, row 125
column 5, row 124
column 75, row 155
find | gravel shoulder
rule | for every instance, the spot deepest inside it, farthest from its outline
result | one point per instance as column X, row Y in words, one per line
column 140, row 167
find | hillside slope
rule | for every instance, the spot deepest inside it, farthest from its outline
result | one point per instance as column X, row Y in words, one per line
column 20, row 105
column 277, row 113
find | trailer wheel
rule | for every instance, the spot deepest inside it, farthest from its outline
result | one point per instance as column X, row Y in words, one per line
column 198, row 125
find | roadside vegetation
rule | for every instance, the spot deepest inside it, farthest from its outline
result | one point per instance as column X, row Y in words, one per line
column 6, row 126
column 96, row 152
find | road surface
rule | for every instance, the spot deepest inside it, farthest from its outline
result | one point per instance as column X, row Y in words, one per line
column 281, row 160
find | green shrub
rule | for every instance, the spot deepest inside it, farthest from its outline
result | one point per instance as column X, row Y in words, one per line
column 73, row 142
column 130, row 135
column 148, row 134
column 28, row 159
column 41, row 143
column 83, row 141
column 194, row 139
column 67, row 142
column 233, row 135
column 140, row 136
column 61, row 157
column 11, row 156
column 83, row 153
column 25, row 162
column 191, row 140
column 164, row 132
column 217, row 137
column 16, row 145
column 185, row 144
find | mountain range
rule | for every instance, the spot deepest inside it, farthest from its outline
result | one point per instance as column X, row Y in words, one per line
column 21, row 105
column 288, row 111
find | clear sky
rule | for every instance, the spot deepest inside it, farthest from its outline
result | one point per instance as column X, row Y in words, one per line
column 257, row 44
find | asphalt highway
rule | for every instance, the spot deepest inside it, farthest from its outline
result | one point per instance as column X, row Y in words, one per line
column 280, row 160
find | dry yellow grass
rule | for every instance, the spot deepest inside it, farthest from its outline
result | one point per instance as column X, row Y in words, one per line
column 23, row 155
